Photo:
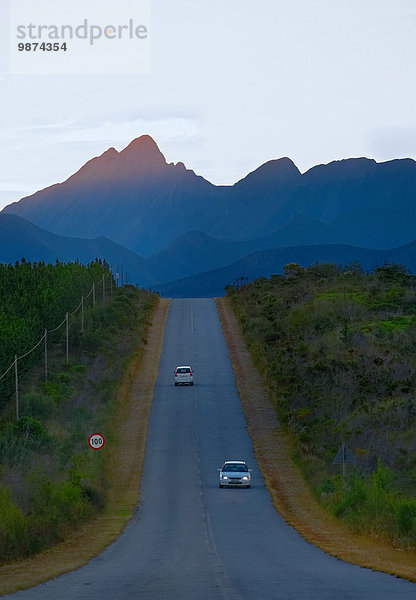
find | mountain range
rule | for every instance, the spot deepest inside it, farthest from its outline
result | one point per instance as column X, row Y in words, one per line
column 166, row 223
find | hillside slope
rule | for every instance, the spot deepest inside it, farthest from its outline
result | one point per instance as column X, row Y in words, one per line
column 291, row 494
column 336, row 350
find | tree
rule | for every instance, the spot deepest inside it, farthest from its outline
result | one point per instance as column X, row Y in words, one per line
column 293, row 271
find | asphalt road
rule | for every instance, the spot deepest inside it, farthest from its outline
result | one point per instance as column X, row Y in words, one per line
column 190, row 540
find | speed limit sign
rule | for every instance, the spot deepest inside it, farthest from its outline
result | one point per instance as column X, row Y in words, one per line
column 96, row 441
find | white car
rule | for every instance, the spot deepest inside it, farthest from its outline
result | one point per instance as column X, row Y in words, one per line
column 234, row 473
column 183, row 375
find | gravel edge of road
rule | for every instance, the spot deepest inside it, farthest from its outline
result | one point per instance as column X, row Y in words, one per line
column 291, row 496
column 134, row 404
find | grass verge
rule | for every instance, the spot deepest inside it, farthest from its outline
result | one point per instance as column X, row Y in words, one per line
column 290, row 494
column 127, row 457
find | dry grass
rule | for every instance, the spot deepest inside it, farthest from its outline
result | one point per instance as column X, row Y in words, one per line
column 291, row 496
column 126, row 463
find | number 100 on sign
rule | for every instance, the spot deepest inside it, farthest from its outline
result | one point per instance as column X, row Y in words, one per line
column 96, row 441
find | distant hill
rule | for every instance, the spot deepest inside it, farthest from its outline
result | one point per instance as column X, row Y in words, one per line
column 135, row 198
column 21, row 239
column 269, row 262
column 195, row 251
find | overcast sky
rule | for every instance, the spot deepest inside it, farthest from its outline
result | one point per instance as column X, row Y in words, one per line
column 231, row 84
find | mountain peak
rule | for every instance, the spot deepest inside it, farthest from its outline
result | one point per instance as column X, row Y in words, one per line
column 140, row 158
column 145, row 151
column 144, row 143
column 272, row 172
column 283, row 167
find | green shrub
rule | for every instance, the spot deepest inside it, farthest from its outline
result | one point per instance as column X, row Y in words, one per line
column 13, row 527
column 56, row 507
column 34, row 404
column 382, row 477
column 57, row 389
column 352, row 499
column 399, row 323
column 14, row 447
column 19, row 440
column 406, row 517
column 91, row 341
column 326, row 487
column 35, row 434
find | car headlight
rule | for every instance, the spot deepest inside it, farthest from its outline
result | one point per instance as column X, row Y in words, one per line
column 224, row 477
column 246, row 478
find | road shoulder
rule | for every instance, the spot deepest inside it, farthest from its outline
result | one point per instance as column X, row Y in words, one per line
column 290, row 494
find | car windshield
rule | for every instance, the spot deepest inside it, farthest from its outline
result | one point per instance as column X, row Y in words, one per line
column 183, row 370
column 233, row 467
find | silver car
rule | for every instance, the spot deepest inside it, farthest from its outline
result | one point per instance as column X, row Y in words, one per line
column 183, row 375
column 234, row 473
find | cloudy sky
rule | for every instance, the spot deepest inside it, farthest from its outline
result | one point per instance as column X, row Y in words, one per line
column 231, row 84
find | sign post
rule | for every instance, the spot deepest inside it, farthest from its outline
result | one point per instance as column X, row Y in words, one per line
column 344, row 456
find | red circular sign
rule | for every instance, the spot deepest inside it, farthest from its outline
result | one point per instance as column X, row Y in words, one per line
column 96, row 441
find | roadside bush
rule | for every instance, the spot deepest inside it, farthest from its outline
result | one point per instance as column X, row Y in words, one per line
column 57, row 389
column 14, row 448
column 19, row 440
column 352, row 498
column 34, row 433
column 91, row 341
column 406, row 517
column 56, row 508
column 13, row 527
column 37, row 405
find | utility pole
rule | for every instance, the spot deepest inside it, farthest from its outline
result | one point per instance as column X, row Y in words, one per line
column 67, row 338
column 82, row 314
column 46, row 355
column 17, row 387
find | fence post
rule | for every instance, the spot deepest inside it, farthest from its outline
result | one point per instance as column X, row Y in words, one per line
column 17, row 387
column 67, row 338
column 46, row 355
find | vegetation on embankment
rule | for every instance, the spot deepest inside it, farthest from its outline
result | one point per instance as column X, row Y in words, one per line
column 336, row 348
column 50, row 480
column 35, row 297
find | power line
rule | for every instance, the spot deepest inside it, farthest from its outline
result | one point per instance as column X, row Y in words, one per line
column 44, row 338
